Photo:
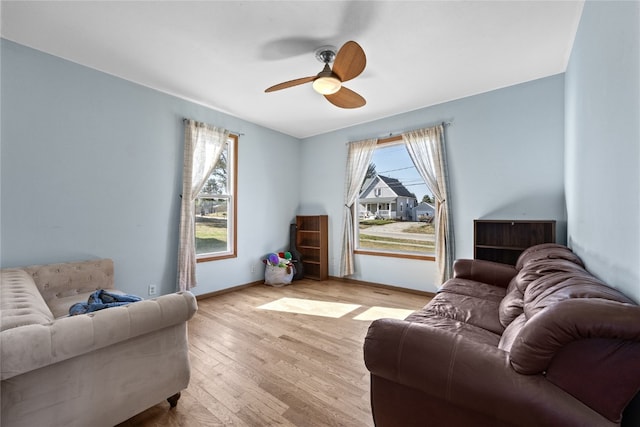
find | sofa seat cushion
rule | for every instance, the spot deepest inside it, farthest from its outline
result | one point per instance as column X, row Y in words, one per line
column 60, row 306
column 473, row 288
column 457, row 327
column 20, row 301
column 470, row 302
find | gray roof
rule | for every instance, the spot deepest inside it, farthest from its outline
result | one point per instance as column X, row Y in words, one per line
column 397, row 186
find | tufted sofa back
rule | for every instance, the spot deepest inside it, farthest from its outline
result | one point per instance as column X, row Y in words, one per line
column 63, row 284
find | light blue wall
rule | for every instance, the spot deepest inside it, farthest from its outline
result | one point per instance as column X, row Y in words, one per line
column 602, row 143
column 505, row 151
column 91, row 167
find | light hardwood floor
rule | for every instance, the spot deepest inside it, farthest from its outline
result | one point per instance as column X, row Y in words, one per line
column 254, row 366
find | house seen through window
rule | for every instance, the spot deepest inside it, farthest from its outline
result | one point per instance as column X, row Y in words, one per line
column 395, row 207
column 215, row 208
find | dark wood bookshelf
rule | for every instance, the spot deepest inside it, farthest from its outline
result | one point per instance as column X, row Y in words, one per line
column 504, row 240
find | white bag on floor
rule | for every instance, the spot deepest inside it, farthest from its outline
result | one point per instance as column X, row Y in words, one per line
column 278, row 276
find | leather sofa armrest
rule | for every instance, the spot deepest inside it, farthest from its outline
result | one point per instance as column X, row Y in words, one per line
column 468, row 374
column 26, row 348
column 566, row 321
column 431, row 359
column 589, row 347
column 493, row 273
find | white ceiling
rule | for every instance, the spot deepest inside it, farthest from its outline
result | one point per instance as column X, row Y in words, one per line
column 223, row 54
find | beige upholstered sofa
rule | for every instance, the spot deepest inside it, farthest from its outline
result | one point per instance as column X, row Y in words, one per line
column 95, row 369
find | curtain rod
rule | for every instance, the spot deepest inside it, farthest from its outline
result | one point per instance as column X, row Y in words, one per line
column 394, row 135
column 230, row 131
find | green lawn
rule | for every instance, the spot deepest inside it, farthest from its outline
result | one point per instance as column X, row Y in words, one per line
column 211, row 234
column 400, row 245
column 369, row 222
column 368, row 241
column 422, row 228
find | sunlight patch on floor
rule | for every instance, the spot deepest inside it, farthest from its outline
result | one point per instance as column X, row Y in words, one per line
column 310, row 307
column 333, row 309
column 375, row 313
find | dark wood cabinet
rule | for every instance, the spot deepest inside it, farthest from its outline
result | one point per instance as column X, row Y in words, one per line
column 313, row 243
column 504, row 240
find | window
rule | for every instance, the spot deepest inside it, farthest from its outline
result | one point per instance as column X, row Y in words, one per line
column 215, row 208
column 395, row 207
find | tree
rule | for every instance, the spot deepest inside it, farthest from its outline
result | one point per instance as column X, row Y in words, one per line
column 427, row 199
column 371, row 171
column 217, row 181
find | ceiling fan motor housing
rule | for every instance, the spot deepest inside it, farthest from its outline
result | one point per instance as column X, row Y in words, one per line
column 326, row 54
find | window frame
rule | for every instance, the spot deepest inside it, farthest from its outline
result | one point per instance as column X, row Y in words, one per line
column 232, row 196
column 356, row 223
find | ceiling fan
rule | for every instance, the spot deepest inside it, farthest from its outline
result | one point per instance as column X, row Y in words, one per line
column 348, row 63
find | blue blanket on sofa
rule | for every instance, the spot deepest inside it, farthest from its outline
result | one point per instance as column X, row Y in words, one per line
column 100, row 300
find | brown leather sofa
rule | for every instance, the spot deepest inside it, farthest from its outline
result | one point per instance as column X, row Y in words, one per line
column 544, row 343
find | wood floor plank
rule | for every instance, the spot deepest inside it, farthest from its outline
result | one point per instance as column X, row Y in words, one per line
column 252, row 366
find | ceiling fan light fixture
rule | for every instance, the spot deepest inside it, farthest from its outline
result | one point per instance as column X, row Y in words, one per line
column 348, row 63
column 327, row 85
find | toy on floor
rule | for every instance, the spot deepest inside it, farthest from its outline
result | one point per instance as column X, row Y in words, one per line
column 279, row 269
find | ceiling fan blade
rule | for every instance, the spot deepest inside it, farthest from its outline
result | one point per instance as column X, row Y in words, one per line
column 346, row 98
column 350, row 61
column 290, row 83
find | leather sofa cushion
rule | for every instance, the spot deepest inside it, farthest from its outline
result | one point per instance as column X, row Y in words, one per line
column 560, row 286
column 473, row 288
column 512, row 304
column 483, row 271
column 20, row 301
column 511, row 332
column 547, row 251
column 457, row 327
column 467, row 307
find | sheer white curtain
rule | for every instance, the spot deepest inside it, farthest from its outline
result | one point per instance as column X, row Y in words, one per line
column 427, row 150
column 358, row 159
column 203, row 145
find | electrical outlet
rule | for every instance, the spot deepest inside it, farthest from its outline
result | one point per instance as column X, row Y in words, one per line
column 253, row 268
column 152, row 289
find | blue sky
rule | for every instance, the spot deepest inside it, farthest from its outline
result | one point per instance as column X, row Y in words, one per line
column 393, row 161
